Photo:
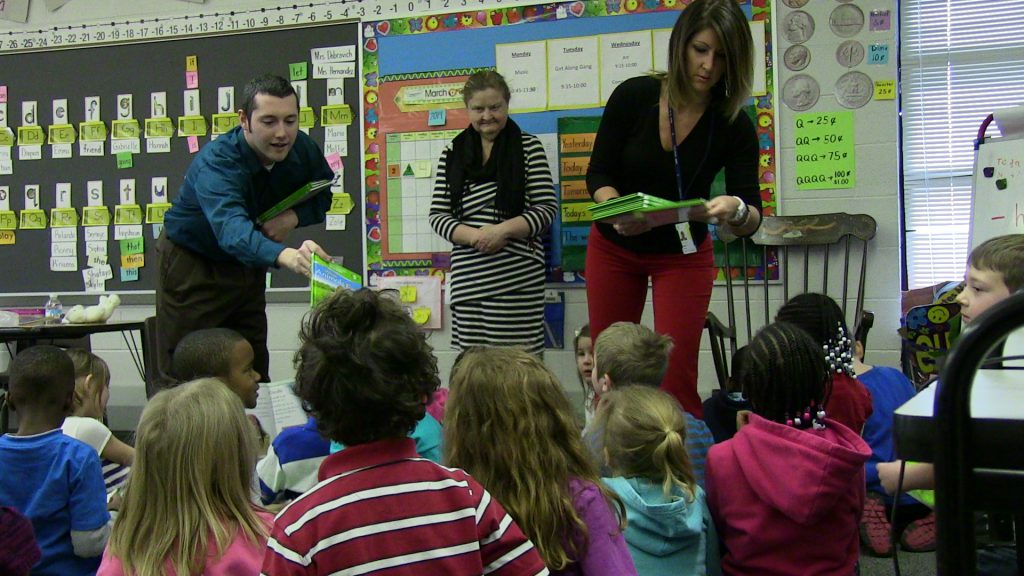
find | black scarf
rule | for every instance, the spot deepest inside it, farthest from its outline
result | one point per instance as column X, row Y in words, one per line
column 505, row 166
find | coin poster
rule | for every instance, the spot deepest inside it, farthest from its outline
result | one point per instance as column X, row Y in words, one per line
column 824, row 151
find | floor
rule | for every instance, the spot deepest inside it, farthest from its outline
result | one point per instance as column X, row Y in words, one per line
column 911, row 564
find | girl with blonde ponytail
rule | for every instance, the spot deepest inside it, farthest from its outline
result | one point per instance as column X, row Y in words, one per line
column 669, row 529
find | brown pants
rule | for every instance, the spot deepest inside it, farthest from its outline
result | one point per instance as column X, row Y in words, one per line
column 195, row 293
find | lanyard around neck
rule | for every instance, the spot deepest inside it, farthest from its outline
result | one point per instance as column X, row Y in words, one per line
column 675, row 151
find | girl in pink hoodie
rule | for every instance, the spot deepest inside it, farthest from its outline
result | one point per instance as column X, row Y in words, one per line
column 787, row 491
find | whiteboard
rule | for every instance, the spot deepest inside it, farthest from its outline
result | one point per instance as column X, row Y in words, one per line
column 997, row 206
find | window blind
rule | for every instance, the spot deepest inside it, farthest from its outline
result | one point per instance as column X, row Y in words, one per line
column 960, row 60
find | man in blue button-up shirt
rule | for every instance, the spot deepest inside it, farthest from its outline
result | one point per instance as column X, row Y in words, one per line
column 213, row 254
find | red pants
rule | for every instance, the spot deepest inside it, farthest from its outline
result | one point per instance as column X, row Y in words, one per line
column 617, row 290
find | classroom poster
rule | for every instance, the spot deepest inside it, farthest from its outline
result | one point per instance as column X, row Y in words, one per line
column 394, row 47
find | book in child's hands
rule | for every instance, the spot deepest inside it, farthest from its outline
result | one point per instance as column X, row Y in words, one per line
column 277, row 407
column 295, row 198
column 326, row 277
column 654, row 210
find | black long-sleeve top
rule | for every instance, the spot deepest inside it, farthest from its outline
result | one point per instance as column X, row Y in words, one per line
column 628, row 156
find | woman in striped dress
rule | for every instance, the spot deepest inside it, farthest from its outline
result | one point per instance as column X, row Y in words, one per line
column 492, row 200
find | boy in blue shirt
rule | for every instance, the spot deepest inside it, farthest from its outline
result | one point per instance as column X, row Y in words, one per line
column 54, row 480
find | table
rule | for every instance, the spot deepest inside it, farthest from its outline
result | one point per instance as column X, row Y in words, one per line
column 997, row 411
column 32, row 334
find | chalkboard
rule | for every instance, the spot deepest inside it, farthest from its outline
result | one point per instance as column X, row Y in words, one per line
column 997, row 207
column 140, row 69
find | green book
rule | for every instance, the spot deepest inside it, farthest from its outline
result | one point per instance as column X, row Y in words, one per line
column 295, row 198
column 657, row 211
column 326, row 277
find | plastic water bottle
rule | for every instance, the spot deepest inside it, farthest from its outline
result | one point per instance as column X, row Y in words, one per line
column 54, row 309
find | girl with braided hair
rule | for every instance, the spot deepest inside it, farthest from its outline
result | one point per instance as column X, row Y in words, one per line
column 822, row 319
column 786, row 492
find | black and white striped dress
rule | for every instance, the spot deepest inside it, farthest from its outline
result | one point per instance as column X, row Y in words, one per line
column 498, row 299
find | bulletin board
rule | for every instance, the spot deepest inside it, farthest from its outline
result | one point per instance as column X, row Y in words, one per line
column 223, row 63
column 430, row 57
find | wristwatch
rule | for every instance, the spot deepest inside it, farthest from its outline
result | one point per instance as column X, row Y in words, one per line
column 742, row 211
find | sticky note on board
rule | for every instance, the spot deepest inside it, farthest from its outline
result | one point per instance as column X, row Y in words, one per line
column 421, row 316
column 437, row 117
column 885, row 89
column 132, row 246
column 334, row 161
column 879, row 20
column 298, row 71
column 422, row 168
column 129, row 274
column 133, row 260
column 7, row 237
column 407, row 294
column 878, row 54
column 124, row 160
column 191, row 79
column 191, row 63
column 193, row 144
column 3, row 94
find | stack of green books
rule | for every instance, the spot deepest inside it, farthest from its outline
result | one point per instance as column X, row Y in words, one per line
column 657, row 211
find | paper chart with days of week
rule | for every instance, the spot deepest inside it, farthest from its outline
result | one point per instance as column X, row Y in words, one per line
column 242, row 20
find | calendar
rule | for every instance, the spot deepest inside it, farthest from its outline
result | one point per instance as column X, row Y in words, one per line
column 411, row 159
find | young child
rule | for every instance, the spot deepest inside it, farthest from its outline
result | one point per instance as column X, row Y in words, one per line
column 92, row 391
column 820, row 316
column 628, row 354
column 293, row 460
column 366, row 372
column 995, row 269
column 583, row 345
column 889, row 390
column 510, row 425
column 186, row 507
column 721, row 408
column 669, row 529
column 20, row 550
column 787, row 491
column 218, row 353
column 52, row 479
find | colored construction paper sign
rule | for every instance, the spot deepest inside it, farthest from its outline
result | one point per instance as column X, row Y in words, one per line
column 298, row 71
column 191, row 79
column 129, row 274
column 124, row 160
column 193, row 144
column 132, row 246
column 825, row 151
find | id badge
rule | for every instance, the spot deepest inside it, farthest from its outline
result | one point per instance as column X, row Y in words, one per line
column 686, row 238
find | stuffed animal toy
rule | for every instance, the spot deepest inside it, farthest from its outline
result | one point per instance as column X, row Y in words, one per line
column 93, row 314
